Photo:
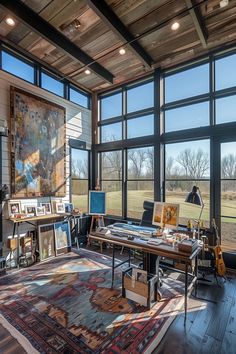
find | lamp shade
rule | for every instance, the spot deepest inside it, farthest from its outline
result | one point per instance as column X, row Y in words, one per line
column 194, row 197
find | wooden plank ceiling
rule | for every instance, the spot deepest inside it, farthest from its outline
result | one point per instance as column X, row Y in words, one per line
column 148, row 22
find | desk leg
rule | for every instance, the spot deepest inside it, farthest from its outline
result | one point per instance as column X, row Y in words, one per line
column 196, row 274
column 186, row 292
column 18, row 245
column 113, row 266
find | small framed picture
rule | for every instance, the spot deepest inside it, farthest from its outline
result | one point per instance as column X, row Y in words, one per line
column 48, row 209
column 40, row 210
column 14, row 208
column 46, row 241
column 69, row 207
column 30, row 210
column 60, row 208
column 62, row 237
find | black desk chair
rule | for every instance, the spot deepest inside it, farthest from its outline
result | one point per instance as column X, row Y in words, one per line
column 153, row 261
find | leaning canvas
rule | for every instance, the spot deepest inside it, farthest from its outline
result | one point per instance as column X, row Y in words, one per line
column 37, row 146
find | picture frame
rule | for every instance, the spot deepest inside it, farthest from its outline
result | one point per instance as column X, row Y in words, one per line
column 60, row 208
column 46, row 241
column 40, row 210
column 97, row 202
column 14, row 208
column 37, row 130
column 62, row 237
column 69, row 207
column 30, row 210
column 48, row 208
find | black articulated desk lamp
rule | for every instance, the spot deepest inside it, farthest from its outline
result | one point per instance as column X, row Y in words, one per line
column 194, row 197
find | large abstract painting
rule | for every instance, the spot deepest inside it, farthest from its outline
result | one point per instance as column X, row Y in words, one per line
column 37, row 146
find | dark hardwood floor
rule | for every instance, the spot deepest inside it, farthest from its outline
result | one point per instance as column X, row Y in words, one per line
column 210, row 327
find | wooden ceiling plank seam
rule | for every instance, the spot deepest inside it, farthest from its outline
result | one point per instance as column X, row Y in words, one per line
column 112, row 20
column 198, row 22
column 51, row 34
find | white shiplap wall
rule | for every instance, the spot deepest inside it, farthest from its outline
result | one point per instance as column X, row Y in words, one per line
column 78, row 126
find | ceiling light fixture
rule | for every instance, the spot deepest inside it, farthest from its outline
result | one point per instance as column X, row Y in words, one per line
column 122, row 51
column 77, row 23
column 87, row 72
column 224, row 3
column 10, row 21
column 175, row 26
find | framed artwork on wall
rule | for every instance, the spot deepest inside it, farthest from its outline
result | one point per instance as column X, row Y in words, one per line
column 37, row 146
column 62, row 237
column 46, row 241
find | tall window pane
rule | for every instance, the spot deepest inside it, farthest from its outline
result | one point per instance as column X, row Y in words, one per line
column 111, row 132
column 52, row 85
column 111, row 106
column 140, row 97
column 79, row 177
column 225, row 72
column 141, row 126
column 111, row 179
column 140, row 163
column 226, row 110
column 193, row 116
column 79, row 98
column 187, row 164
column 188, row 83
column 140, row 185
column 17, row 67
column 228, row 195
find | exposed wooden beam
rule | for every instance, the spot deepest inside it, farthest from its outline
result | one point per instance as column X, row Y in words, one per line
column 101, row 8
column 52, row 35
column 198, row 22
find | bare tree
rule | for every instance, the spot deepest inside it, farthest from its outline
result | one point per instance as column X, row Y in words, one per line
column 79, row 168
column 228, row 166
column 137, row 160
column 112, row 165
column 194, row 163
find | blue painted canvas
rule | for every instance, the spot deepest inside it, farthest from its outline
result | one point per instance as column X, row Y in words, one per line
column 97, row 203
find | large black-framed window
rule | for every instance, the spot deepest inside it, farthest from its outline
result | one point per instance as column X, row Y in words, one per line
column 80, row 178
column 17, row 64
column 194, row 105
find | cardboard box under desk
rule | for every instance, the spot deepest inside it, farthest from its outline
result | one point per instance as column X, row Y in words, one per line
column 143, row 293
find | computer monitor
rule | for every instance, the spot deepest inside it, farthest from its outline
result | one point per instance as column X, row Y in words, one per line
column 166, row 215
column 97, row 203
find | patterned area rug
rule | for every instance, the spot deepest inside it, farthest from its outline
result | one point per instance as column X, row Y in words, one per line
column 66, row 306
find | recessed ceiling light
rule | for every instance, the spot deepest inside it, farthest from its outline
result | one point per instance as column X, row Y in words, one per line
column 10, row 21
column 122, row 51
column 224, row 3
column 87, row 72
column 175, row 26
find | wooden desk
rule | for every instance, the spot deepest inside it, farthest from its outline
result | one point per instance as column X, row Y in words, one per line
column 161, row 250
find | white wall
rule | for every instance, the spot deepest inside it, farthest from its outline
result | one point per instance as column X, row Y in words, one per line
column 78, row 126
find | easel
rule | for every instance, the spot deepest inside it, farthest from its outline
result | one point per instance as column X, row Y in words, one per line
column 97, row 219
